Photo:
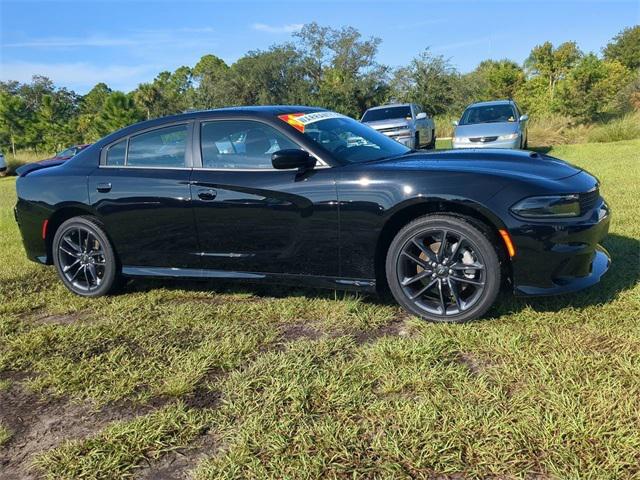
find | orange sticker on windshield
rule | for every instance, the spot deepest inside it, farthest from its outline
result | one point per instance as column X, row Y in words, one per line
column 292, row 119
column 300, row 120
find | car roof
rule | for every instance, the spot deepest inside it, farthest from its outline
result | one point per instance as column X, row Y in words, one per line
column 492, row 102
column 390, row 105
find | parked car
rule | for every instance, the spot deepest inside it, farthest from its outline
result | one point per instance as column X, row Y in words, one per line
column 405, row 122
column 3, row 165
column 336, row 204
column 497, row 124
column 70, row 152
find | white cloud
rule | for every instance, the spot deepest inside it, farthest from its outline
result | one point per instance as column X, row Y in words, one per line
column 289, row 28
column 81, row 76
column 177, row 36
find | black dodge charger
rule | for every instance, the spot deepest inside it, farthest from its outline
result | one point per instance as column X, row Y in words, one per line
column 305, row 196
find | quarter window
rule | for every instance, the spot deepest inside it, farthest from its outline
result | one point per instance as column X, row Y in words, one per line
column 242, row 144
column 116, row 153
column 164, row 147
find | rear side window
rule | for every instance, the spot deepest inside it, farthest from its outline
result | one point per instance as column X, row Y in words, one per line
column 164, row 147
column 116, row 153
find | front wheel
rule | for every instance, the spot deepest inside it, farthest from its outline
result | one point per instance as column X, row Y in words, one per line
column 443, row 269
column 84, row 258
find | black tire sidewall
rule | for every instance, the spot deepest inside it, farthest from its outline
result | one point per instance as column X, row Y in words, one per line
column 111, row 269
column 459, row 225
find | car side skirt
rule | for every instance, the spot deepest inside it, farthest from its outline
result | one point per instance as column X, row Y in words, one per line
column 314, row 281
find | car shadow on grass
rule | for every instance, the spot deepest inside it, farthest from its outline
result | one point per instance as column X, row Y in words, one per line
column 623, row 275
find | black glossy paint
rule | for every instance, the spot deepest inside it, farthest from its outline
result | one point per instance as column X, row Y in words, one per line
column 328, row 226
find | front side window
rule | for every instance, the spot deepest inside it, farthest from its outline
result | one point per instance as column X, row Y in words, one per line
column 116, row 154
column 346, row 139
column 164, row 147
column 241, row 144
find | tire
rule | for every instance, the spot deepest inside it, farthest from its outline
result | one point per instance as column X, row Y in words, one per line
column 84, row 257
column 464, row 278
column 416, row 141
column 432, row 143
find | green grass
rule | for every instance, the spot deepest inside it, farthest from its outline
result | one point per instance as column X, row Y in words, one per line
column 301, row 384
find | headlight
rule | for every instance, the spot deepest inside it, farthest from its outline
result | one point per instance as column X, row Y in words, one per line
column 552, row 206
column 511, row 136
column 460, row 140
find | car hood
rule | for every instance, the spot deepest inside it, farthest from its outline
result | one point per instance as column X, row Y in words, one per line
column 388, row 123
column 506, row 163
column 486, row 129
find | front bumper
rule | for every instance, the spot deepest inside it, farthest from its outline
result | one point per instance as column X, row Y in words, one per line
column 562, row 257
column 514, row 144
column 406, row 139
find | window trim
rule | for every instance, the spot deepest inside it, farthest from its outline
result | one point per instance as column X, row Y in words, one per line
column 197, row 146
column 188, row 153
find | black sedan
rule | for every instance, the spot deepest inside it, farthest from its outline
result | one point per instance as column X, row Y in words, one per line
column 305, row 196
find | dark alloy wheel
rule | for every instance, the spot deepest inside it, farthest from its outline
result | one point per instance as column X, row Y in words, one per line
column 443, row 269
column 432, row 142
column 84, row 258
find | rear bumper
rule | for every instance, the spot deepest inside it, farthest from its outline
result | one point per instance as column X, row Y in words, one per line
column 558, row 258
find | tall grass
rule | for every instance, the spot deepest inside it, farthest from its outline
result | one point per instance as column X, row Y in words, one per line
column 559, row 130
column 23, row 157
column 444, row 125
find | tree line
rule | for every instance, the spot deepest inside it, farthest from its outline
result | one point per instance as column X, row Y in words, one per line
column 336, row 69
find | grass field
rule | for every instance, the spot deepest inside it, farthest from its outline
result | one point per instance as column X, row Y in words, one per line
column 252, row 382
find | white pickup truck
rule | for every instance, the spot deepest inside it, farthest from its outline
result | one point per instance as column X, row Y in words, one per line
column 406, row 123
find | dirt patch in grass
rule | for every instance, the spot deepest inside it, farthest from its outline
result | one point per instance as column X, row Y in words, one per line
column 178, row 464
column 66, row 319
column 298, row 331
column 38, row 424
column 396, row 328
column 476, row 365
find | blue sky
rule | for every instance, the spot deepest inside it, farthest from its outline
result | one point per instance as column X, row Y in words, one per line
column 78, row 44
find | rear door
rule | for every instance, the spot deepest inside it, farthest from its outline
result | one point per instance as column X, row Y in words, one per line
column 251, row 217
column 141, row 193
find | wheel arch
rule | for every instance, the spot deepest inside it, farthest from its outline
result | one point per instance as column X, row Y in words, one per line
column 58, row 218
column 476, row 213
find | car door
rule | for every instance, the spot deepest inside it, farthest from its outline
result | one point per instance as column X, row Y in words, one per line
column 141, row 193
column 251, row 217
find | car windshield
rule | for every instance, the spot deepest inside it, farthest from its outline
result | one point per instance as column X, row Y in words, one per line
column 386, row 113
column 346, row 139
column 69, row 152
column 488, row 114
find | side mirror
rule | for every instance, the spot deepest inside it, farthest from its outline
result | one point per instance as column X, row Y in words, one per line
column 454, row 123
column 292, row 158
column 524, row 118
column 421, row 116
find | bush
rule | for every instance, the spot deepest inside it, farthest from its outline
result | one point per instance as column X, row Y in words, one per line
column 444, row 127
column 625, row 128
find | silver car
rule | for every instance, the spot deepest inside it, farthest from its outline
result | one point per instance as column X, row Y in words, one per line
column 497, row 124
column 406, row 123
column 3, row 165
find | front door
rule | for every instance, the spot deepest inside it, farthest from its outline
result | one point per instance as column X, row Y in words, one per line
column 141, row 193
column 253, row 218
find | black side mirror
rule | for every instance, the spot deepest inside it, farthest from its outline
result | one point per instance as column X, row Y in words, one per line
column 292, row 158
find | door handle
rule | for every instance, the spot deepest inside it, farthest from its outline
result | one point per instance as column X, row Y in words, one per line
column 103, row 187
column 207, row 194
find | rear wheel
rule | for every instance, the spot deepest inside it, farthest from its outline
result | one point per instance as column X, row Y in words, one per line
column 84, row 257
column 443, row 269
column 416, row 141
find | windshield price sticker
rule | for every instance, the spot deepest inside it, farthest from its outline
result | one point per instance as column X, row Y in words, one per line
column 300, row 120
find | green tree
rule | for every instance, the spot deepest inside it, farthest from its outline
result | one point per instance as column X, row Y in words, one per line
column 429, row 80
column 340, row 68
column 119, row 111
column 591, row 88
column 553, row 64
column 147, row 97
column 625, row 48
column 498, row 79
column 12, row 117
column 209, row 76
